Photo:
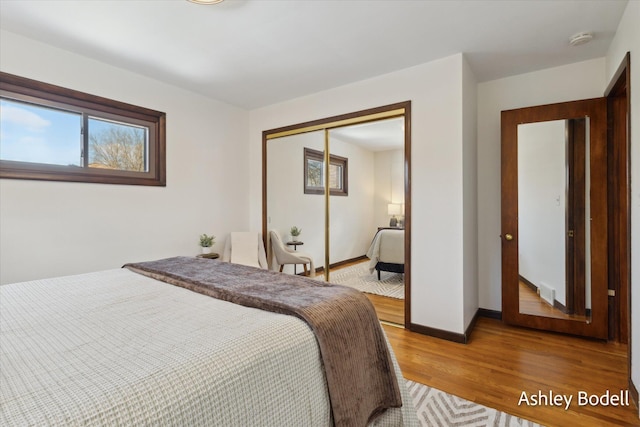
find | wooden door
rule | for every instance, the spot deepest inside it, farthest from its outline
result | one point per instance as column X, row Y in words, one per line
column 523, row 234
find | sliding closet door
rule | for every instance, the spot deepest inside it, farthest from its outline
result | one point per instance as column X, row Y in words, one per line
column 351, row 212
column 295, row 193
column 300, row 161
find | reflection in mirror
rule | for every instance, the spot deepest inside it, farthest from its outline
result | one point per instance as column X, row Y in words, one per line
column 366, row 175
column 287, row 203
column 553, row 219
column 375, row 151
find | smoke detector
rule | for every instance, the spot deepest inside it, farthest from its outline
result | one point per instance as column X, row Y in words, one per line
column 580, row 38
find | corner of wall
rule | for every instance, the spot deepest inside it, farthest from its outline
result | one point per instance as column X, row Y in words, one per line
column 470, row 192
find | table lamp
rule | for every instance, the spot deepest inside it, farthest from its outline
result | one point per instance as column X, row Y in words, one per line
column 393, row 209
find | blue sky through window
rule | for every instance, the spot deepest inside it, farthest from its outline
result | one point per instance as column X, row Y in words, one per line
column 36, row 134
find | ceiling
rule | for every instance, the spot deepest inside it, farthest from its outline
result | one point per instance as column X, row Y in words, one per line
column 380, row 135
column 253, row 53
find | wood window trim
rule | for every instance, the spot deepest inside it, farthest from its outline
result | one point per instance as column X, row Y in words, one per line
column 40, row 93
column 343, row 162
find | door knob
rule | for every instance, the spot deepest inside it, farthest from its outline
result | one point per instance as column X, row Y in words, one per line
column 508, row 237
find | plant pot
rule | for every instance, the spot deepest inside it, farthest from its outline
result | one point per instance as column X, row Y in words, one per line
column 207, row 250
column 294, row 238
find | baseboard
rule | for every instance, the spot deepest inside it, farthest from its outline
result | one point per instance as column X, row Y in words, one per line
column 633, row 391
column 341, row 263
column 557, row 304
column 452, row 336
column 560, row 306
column 438, row 333
column 472, row 324
column 529, row 284
column 348, row 261
column 491, row 314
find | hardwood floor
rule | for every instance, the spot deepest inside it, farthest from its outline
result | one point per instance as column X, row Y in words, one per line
column 531, row 303
column 388, row 309
column 500, row 362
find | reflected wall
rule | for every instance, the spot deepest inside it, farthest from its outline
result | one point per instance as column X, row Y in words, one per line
column 287, row 204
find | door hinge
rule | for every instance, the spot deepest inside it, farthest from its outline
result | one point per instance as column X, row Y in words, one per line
column 611, row 292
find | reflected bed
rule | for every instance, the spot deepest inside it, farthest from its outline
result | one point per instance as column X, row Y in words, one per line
column 387, row 251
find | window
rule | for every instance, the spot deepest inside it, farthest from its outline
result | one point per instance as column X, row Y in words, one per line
column 57, row 134
column 314, row 173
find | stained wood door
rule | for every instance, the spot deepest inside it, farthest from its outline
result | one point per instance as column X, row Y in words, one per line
column 595, row 110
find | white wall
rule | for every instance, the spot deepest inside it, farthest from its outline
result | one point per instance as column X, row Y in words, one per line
column 542, row 205
column 59, row 228
column 351, row 217
column 435, row 90
column 581, row 80
column 470, row 192
column 287, row 204
column 627, row 39
column 389, row 183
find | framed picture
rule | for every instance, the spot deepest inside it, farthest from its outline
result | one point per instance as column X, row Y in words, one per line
column 314, row 173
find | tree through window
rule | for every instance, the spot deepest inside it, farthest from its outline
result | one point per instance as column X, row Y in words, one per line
column 117, row 146
column 314, row 173
column 53, row 133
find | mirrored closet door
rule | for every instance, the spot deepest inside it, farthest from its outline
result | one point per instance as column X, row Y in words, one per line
column 356, row 233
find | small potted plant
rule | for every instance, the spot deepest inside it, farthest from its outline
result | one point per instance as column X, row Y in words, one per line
column 206, row 243
column 295, row 232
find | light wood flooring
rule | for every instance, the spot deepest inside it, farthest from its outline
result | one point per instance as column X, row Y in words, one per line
column 388, row 309
column 500, row 362
column 531, row 303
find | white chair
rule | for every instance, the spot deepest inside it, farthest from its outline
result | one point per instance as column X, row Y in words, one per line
column 284, row 255
column 246, row 248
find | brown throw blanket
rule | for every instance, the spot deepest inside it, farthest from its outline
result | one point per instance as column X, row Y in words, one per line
column 360, row 375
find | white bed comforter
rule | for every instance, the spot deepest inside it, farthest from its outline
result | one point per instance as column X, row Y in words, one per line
column 387, row 246
column 118, row 348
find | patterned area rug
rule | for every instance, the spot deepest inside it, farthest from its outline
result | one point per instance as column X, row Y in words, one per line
column 437, row 408
column 358, row 277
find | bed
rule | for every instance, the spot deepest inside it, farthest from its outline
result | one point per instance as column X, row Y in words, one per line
column 119, row 348
column 386, row 251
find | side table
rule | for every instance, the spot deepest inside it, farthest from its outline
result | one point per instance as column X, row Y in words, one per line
column 295, row 245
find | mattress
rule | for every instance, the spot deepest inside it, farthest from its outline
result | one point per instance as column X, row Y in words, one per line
column 387, row 247
column 118, row 348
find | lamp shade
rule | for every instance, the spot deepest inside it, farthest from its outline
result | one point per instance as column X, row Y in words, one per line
column 394, row 209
